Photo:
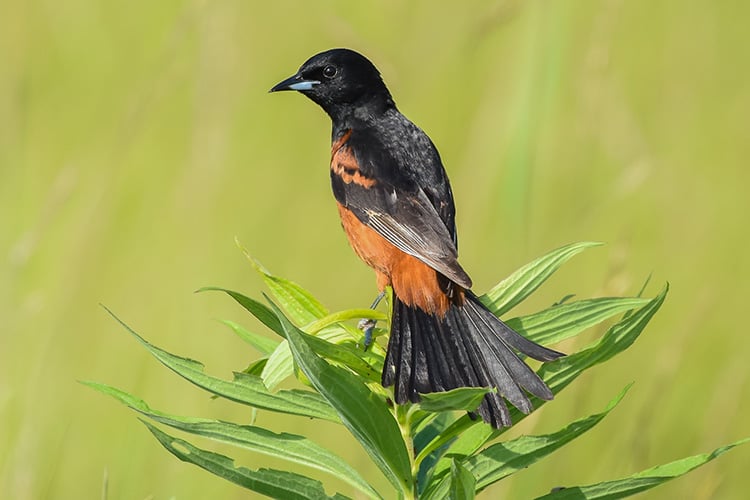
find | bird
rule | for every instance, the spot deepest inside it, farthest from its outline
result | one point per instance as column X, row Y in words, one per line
column 397, row 210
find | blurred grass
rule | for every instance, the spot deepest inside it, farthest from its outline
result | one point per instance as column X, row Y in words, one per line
column 137, row 140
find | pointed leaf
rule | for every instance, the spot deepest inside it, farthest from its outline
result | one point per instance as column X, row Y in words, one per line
column 463, row 398
column 279, row 366
column 619, row 337
column 263, row 344
column 641, row 481
column 522, row 283
column 503, row 459
column 298, row 302
column 291, row 447
column 428, row 434
column 472, row 435
column 363, row 412
column 356, row 359
column 566, row 320
column 445, row 438
column 256, row 367
column 269, row 482
column 332, row 343
column 260, row 311
column 246, row 389
column 462, row 483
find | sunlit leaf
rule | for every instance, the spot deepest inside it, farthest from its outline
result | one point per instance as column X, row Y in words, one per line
column 561, row 372
column 296, row 301
column 279, row 366
column 470, row 436
column 641, row 481
column 341, row 316
column 260, row 311
column 566, row 320
column 324, row 352
column 426, row 435
column 463, row 398
column 290, row 447
column 522, row 283
column 462, row 484
column 330, row 343
column 263, row 344
column 269, row 482
column 503, row 459
column 245, row 388
column 256, row 367
column 363, row 412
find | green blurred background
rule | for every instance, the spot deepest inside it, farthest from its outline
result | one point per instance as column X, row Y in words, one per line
column 137, row 141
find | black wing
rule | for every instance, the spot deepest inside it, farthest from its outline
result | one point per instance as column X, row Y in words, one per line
column 400, row 210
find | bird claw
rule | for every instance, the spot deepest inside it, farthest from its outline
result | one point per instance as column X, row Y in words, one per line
column 367, row 326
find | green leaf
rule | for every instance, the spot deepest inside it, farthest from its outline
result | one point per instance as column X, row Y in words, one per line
column 522, row 283
column 291, row 447
column 246, row 389
column 269, row 482
column 557, row 374
column 503, row 459
column 347, row 355
column 462, row 484
column 298, row 302
column 260, row 311
column 444, row 439
column 331, row 344
column 426, row 435
column 641, row 481
column 463, row 398
column 566, row 320
column 341, row 316
column 256, row 367
column 363, row 412
column 279, row 366
column 263, row 344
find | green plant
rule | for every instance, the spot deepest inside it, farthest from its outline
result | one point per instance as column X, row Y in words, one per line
column 432, row 449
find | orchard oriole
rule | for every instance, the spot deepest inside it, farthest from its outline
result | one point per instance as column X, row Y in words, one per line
column 397, row 210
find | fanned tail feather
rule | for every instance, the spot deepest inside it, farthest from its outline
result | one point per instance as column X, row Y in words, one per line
column 468, row 347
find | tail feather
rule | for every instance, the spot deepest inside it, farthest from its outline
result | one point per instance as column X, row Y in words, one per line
column 420, row 379
column 438, row 363
column 470, row 368
column 468, row 347
column 512, row 338
column 460, row 357
column 499, row 338
column 399, row 362
column 500, row 369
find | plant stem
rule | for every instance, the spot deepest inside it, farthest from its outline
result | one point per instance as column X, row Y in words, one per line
column 403, row 417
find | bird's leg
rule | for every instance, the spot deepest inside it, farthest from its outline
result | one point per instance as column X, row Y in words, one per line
column 368, row 325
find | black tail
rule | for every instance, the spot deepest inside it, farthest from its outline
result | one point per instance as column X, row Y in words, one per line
column 469, row 347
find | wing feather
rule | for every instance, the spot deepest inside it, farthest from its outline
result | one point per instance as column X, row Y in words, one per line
column 408, row 221
column 394, row 190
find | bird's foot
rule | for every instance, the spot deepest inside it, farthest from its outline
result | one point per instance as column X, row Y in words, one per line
column 367, row 326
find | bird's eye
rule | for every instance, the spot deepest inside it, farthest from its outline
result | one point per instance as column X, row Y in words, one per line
column 329, row 71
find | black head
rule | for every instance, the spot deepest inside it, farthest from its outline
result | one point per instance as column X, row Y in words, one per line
column 340, row 81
